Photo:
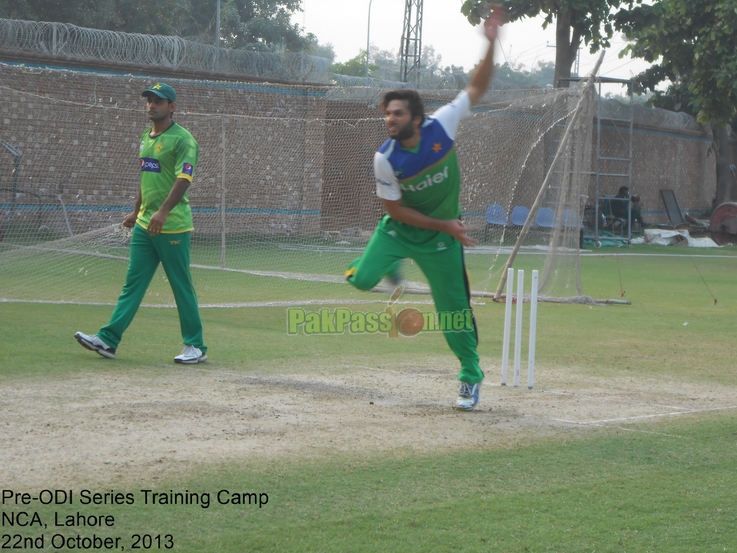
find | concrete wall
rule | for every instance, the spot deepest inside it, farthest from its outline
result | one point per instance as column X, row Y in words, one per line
column 662, row 158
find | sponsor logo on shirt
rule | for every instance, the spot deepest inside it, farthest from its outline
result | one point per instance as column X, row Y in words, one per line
column 187, row 169
column 429, row 181
column 150, row 165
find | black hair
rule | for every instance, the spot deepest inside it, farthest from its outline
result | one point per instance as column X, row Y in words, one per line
column 410, row 97
column 623, row 189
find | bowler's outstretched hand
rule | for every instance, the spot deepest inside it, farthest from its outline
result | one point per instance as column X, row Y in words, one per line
column 495, row 20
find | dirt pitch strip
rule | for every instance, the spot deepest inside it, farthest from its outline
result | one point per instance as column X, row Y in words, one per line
column 137, row 426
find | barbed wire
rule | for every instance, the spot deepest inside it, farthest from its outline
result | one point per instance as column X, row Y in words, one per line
column 64, row 39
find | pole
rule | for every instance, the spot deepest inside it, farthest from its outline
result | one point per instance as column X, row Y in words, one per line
column 222, row 199
column 16, row 153
column 217, row 38
column 368, row 37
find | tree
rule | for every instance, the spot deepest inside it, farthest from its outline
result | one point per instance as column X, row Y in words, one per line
column 260, row 24
column 164, row 17
column 429, row 59
column 384, row 64
column 387, row 62
column 355, row 67
column 246, row 24
column 695, row 47
column 85, row 13
column 314, row 48
column 576, row 21
column 511, row 75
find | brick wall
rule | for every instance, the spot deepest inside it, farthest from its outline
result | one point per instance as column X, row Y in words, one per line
column 296, row 160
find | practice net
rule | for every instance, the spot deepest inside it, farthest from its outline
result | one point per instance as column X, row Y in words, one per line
column 283, row 198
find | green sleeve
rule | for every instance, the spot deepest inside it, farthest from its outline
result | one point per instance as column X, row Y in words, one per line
column 186, row 158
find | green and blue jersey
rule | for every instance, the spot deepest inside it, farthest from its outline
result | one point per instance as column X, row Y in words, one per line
column 425, row 178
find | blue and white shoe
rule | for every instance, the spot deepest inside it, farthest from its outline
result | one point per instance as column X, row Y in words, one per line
column 93, row 343
column 468, row 396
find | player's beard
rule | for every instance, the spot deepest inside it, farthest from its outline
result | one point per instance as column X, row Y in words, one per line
column 404, row 133
column 156, row 117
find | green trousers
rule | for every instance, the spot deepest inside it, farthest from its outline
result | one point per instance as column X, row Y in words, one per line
column 445, row 272
column 146, row 252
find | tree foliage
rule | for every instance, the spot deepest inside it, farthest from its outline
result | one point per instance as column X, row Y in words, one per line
column 247, row 24
column 576, row 22
column 387, row 62
column 314, row 48
column 87, row 13
column 693, row 44
column 384, row 64
column 517, row 76
column 260, row 24
column 355, row 67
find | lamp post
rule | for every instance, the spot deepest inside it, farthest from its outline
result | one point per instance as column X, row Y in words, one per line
column 368, row 37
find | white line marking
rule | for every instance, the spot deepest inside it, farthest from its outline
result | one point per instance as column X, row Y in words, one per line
column 640, row 417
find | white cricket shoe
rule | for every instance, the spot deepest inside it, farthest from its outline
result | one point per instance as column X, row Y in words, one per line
column 93, row 343
column 190, row 355
column 468, row 396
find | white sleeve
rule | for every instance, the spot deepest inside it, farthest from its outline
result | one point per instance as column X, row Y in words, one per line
column 450, row 115
column 387, row 185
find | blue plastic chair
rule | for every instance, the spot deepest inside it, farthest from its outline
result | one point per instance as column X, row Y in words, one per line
column 545, row 218
column 495, row 215
column 519, row 215
column 570, row 219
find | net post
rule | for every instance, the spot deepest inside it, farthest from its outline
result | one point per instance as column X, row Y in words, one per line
column 222, row 199
column 548, row 177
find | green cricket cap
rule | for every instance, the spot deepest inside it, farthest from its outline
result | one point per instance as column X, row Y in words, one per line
column 162, row 91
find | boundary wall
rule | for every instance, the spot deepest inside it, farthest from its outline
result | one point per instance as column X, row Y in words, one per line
column 304, row 151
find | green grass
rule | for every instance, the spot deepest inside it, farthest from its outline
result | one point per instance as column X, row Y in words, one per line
column 657, row 486
column 672, row 491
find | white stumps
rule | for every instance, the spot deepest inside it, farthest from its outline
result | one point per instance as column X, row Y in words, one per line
column 518, row 325
column 510, row 299
column 533, row 332
column 507, row 324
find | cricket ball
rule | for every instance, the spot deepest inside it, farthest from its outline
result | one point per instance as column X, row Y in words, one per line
column 410, row 321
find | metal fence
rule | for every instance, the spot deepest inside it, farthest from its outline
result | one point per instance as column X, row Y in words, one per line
column 63, row 39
